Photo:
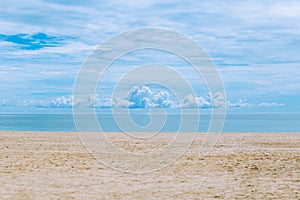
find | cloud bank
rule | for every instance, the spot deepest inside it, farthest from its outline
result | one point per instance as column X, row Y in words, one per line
column 141, row 97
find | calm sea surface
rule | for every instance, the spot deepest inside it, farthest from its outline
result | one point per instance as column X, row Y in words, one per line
column 233, row 122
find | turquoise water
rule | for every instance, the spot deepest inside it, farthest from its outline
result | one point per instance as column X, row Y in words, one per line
column 233, row 122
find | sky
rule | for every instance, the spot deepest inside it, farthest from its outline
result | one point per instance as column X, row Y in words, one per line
column 254, row 45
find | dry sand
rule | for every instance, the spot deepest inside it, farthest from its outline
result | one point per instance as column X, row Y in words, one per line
column 36, row 165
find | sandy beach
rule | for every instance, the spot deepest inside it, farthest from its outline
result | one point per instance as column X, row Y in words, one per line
column 44, row 165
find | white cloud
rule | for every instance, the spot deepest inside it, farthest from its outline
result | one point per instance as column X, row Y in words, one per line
column 30, row 103
column 192, row 101
column 90, row 101
column 121, row 103
column 210, row 101
column 144, row 97
column 62, row 102
column 239, row 104
column 272, row 104
column 243, row 104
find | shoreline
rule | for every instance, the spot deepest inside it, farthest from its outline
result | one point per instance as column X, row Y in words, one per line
column 225, row 132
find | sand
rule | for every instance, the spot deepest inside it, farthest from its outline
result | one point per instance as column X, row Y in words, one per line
column 41, row 165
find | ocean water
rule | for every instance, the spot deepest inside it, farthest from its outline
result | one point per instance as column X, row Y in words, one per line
column 233, row 122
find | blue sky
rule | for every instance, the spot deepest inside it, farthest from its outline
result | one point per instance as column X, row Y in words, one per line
column 254, row 44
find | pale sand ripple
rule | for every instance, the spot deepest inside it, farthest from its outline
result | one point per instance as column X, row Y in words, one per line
column 36, row 165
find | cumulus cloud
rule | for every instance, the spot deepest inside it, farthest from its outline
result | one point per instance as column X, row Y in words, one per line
column 90, row 101
column 144, row 97
column 62, row 102
column 29, row 103
column 239, row 104
column 121, row 103
column 210, row 101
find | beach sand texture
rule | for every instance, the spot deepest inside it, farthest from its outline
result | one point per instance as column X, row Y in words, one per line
column 40, row 165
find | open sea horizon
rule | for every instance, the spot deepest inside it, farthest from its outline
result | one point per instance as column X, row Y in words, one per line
column 233, row 122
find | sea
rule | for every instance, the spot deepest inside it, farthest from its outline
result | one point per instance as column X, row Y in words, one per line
column 272, row 122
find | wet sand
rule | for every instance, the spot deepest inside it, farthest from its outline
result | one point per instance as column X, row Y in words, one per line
column 40, row 165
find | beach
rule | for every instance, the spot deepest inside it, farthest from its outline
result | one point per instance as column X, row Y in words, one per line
column 55, row 165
